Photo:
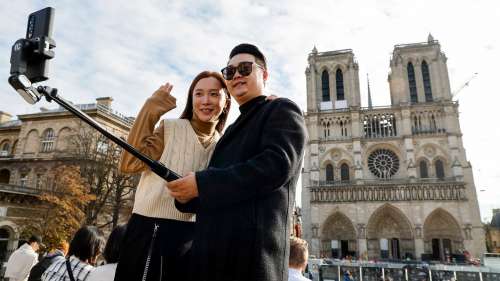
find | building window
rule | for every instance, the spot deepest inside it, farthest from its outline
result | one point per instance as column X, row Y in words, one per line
column 39, row 181
column 439, row 169
column 383, row 163
column 344, row 172
column 411, row 83
column 4, row 176
column 329, row 172
column 23, row 179
column 339, row 78
column 325, row 86
column 427, row 81
column 48, row 139
column 423, row 169
column 5, row 149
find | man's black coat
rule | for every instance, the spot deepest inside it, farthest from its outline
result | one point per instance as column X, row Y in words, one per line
column 246, row 195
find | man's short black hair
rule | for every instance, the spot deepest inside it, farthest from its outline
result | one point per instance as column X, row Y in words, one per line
column 246, row 48
column 35, row 238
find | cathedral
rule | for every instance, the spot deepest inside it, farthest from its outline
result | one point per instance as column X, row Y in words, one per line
column 387, row 182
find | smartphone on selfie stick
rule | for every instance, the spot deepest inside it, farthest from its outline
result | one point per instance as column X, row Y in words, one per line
column 29, row 64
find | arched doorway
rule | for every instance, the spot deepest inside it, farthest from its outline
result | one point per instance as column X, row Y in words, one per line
column 4, row 176
column 442, row 235
column 338, row 237
column 4, row 244
column 389, row 234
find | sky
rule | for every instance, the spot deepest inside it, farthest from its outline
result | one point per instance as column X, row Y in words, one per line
column 127, row 49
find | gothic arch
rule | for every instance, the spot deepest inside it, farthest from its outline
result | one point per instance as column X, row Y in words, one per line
column 338, row 227
column 445, row 166
column 325, row 85
column 389, row 225
column 435, row 151
column 340, row 66
column 441, row 224
column 341, row 152
column 442, row 235
column 388, row 221
column 423, row 166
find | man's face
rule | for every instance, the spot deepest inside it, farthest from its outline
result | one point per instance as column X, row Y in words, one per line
column 244, row 88
column 35, row 246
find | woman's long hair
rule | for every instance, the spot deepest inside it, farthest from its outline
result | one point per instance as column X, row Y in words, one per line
column 188, row 110
column 86, row 244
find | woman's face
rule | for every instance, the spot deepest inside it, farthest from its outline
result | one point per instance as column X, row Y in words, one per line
column 208, row 99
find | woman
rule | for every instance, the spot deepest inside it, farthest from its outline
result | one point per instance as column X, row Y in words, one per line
column 111, row 254
column 158, row 236
column 83, row 251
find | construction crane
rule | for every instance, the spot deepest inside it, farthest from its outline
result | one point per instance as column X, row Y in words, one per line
column 457, row 91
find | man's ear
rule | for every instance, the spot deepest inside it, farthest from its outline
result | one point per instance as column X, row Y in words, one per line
column 265, row 75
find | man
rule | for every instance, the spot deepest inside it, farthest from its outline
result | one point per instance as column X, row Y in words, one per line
column 298, row 259
column 244, row 199
column 58, row 253
column 23, row 259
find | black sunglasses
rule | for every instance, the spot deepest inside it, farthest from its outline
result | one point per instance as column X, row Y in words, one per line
column 244, row 68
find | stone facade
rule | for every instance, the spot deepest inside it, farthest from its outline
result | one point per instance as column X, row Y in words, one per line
column 493, row 233
column 29, row 148
column 387, row 182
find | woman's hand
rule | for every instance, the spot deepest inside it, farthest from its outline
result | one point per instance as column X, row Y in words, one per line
column 163, row 98
column 164, row 91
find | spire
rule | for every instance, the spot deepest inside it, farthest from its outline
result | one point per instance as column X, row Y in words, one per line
column 314, row 50
column 430, row 38
column 370, row 106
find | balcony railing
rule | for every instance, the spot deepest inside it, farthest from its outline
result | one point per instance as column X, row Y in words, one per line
column 390, row 191
column 19, row 189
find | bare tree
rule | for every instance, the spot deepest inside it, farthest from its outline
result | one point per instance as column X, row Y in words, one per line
column 98, row 159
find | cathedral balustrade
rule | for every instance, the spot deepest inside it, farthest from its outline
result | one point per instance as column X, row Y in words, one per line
column 350, row 192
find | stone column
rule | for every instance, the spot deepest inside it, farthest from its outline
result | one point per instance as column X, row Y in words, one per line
column 362, row 243
column 419, row 242
column 315, row 247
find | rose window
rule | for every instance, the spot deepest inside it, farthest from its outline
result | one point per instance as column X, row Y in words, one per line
column 383, row 163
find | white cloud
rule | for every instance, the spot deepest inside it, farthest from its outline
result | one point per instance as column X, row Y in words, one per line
column 127, row 49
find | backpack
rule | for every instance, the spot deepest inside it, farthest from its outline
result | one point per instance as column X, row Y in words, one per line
column 39, row 268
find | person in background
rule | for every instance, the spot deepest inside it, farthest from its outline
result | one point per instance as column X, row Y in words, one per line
column 111, row 254
column 298, row 259
column 23, row 259
column 84, row 248
column 59, row 252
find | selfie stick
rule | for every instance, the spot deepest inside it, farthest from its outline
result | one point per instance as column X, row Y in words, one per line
column 29, row 65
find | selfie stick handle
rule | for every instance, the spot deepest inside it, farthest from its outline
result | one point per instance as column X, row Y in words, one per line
column 157, row 167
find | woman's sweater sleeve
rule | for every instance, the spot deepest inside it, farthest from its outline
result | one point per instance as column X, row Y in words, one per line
column 143, row 135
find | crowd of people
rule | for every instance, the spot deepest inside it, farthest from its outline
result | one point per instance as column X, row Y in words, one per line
column 228, row 217
column 77, row 261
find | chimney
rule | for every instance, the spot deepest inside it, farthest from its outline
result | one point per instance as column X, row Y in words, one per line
column 106, row 101
column 4, row 117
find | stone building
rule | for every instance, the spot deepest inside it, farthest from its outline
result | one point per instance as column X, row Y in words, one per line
column 387, row 182
column 29, row 148
column 493, row 233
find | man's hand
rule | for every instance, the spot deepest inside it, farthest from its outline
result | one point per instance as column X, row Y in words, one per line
column 183, row 189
